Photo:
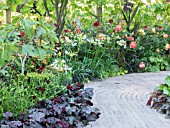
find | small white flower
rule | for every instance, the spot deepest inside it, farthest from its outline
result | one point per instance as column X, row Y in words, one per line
column 118, row 37
column 122, row 43
column 66, row 52
column 84, row 37
column 63, row 61
column 141, row 32
column 74, row 44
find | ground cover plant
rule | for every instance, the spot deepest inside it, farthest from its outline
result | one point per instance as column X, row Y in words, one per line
column 69, row 110
column 160, row 98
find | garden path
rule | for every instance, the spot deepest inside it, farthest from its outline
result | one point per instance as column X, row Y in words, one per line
column 122, row 101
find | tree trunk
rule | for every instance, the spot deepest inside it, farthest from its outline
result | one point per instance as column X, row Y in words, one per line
column 61, row 11
column 8, row 12
column 20, row 6
column 99, row 11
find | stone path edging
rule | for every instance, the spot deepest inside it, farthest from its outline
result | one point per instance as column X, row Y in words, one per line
column 122, row 101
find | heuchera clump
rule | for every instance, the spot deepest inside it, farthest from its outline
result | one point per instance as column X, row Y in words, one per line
column 69, row 110
column 160, row 98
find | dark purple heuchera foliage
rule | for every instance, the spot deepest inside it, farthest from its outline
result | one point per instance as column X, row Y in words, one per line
column 160, row 102
column 69, row 110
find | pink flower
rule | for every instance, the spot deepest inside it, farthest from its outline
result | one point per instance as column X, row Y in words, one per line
column 133, row 45
column 78, row 31
column 142, row 65
column 118, row 28
column 145, row 27
column 160, row 28
column 165, row 35
column 22, row 33
column 97, row 23
column 130, row 38
column 73, row 22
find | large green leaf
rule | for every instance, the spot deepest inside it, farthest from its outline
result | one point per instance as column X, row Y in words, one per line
column 28, row 49
column 4, row 72
column 42, row 53
column 165, row 90
column 167, row 81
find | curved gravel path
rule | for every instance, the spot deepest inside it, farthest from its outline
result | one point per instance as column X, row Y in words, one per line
column 122, row 101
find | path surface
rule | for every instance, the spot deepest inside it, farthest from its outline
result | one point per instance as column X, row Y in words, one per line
column 122, row 101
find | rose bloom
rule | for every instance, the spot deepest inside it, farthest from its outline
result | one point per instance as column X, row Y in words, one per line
column 167, row 46
column 78, row 31
column 118, row 28
column 133, row 45
column 142, row 65
column 130, row 38
column 165, row 35
column 145, row 27
column 97, row 23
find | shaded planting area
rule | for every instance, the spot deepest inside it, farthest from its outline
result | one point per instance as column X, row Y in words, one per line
column 69, row 110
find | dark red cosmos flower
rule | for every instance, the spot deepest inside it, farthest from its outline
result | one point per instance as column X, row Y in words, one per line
column 97, row 23
column 25, row 73
column 110, row 21
column 48, row 81
column 66, row 31
column 29, row 80
column 56, row 25
column 41, row 69
column 22, row 33
column 33, row 61
column 57, row 44
column 34, row 97
column 160, row 28
column 4, row 79
column 41, row 89
column 69, row 87
column 63, row 37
